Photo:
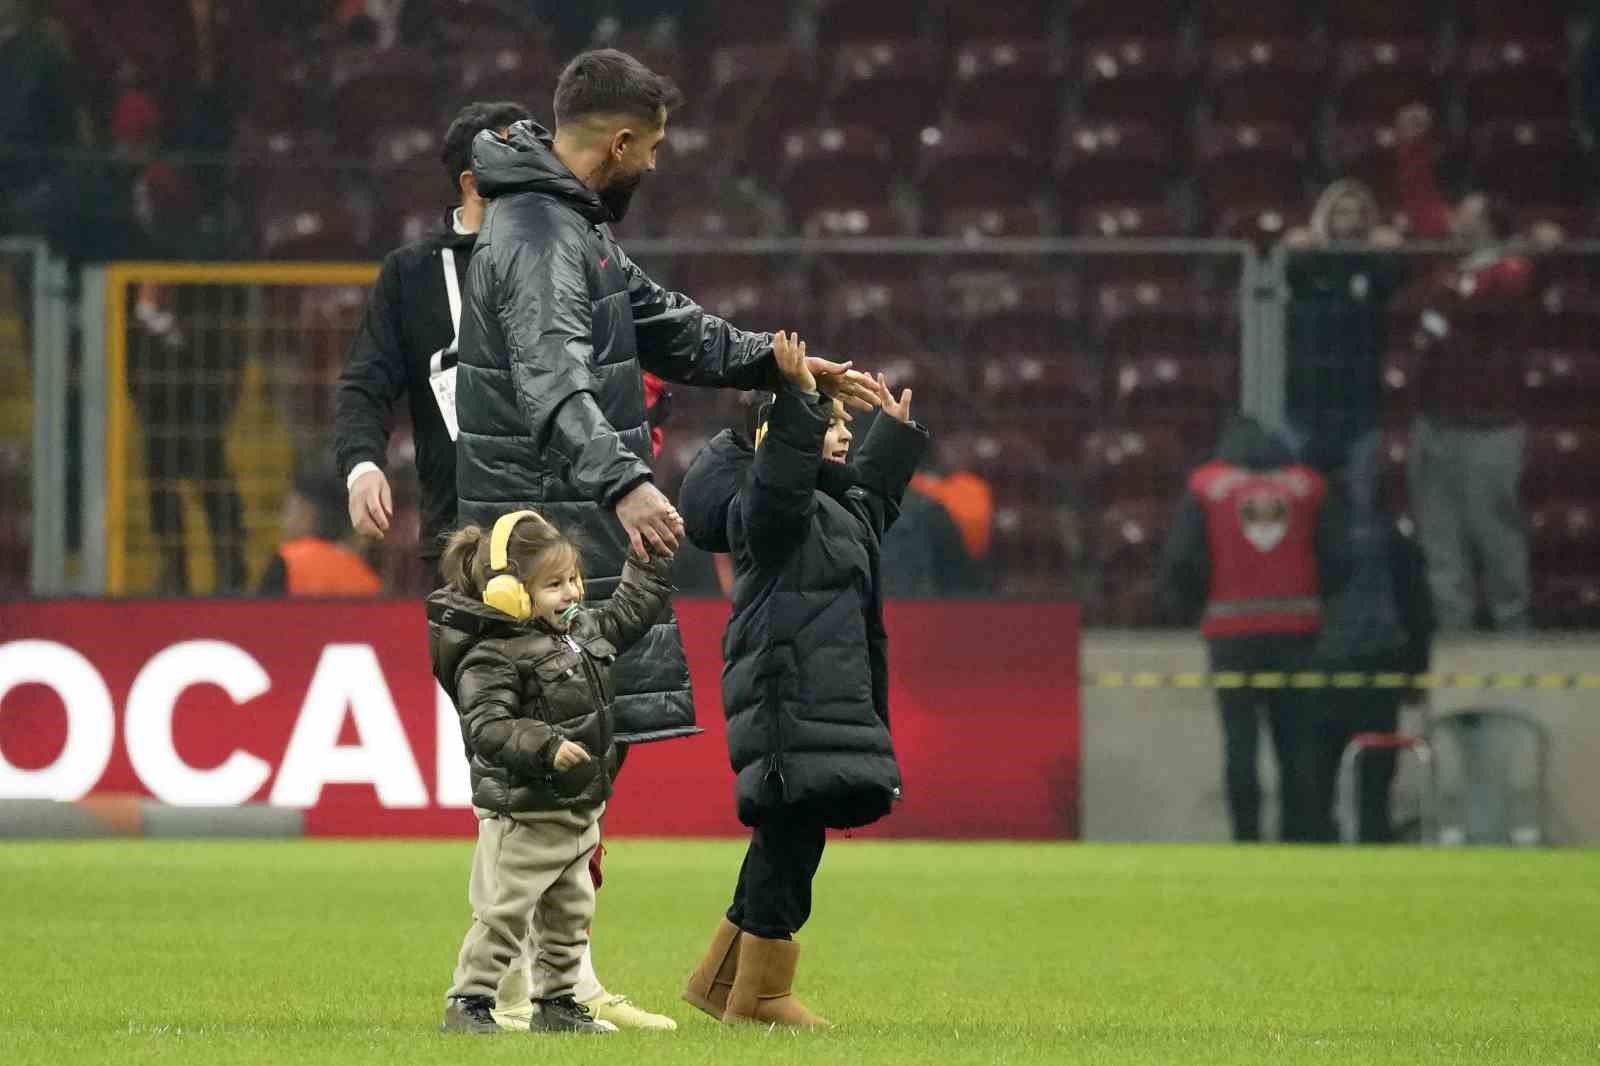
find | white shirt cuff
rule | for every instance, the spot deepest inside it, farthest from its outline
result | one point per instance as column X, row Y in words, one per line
column 356, row 473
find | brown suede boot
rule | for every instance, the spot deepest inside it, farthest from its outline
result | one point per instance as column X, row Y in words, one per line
column 762, row 989
column 712, row 980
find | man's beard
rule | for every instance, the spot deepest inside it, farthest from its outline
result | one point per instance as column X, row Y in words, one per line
column 619, row 194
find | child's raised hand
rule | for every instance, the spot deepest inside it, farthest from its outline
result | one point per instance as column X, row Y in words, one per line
column 901, row 408
column 790, row 353
column 569, row 755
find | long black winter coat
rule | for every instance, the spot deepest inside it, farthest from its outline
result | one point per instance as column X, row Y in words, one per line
column 521, row 688
column 805, row 678
column 556, row 324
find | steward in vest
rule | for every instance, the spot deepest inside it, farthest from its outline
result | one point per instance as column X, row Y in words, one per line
column 1256, row 546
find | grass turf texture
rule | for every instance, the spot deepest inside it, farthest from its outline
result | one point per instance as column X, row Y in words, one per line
column 340, row 952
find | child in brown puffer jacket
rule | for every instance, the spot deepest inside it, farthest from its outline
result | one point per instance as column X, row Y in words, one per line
column 526, row 666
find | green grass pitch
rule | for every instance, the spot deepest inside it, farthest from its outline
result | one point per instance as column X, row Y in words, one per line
column 340, row 952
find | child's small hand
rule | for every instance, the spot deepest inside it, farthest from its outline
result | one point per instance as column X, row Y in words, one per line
column 570, row 755
column 790, row 353
column 901, row 408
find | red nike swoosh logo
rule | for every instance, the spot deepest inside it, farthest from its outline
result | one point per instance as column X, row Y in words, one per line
column 604, row 259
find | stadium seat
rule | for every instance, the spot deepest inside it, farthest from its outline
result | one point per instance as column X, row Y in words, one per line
column 988, row 312
column 1128, row 539
column 410, row 205
column 1251, row 18
column 371, row 89
column 1019, row 463
column 715, row 217
column 1569, row 601
column 1495, row 18
column 1248, row 163
column 993, row 220
column 1398, row 389
column 893, row 86
column 978, row 165
column 1261, row 224
column 1377, row 77
column 1564, row 536
column 1356, row 19
column 1114, row 161
column 851, row 219
column 841, row 21
column 1562, row 462
column 1518, row 78
column 1047, row 387
column 1014, row 82
column 286, row 84
column 968, row 19
column 1137, row 462
column 751, row 21
column 491, row 23
column 1266, row 79
column 866, row 317
column 763, row 89
column 406, row 148
column 1116, row 218
column 941, row 384
column 1367, row 152
column 834, row 165
column 1563, row 384
column 1143, row 79
column 1531, row 162
column 1035, row 548
column 515, row 70
column 1193, row 390
column 301, row 222
column 697, row 151
column 1567, row 313
column 1157, row 314
column 1106, row 18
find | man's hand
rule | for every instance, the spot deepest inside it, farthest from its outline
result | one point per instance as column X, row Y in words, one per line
column 569, row 755
column 898, row 409
column 837, row 381
column 653, row 524
column 789, row 352
column 371, row 506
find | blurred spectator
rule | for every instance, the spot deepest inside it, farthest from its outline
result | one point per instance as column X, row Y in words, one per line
column 39, row 117
column 929, row 552
column 1255, row 546
column 1467, row 442
column 1380, row 620
column 185, row 381
column 159, row 193
column 1337, row 317
column 314, row 559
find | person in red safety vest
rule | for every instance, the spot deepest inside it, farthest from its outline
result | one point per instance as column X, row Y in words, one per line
column 1256, row 546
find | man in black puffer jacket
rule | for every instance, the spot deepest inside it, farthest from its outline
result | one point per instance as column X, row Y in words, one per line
column 805, row 684
column 556, row 326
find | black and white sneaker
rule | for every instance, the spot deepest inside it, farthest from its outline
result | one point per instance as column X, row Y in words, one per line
column 564, row 1014
column 469, row 1014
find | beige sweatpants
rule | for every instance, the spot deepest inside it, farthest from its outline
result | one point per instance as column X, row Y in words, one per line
column 529, row 870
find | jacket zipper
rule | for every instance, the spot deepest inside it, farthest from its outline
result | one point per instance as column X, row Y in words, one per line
column 774, row 767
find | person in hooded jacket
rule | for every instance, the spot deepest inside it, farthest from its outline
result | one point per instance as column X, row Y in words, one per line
column 558, row 323
column 1256, row 545
column 526, row 666
column 805, row 680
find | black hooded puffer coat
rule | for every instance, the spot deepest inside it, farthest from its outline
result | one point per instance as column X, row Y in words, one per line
column 805, row 678
column 556, row 323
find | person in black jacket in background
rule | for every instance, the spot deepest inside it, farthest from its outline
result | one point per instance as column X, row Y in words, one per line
column 1379, row 621
column 805, row 684
column 407, row 337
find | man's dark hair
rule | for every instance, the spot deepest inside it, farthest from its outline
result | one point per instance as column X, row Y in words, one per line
column 608, row 82
column 471, row 121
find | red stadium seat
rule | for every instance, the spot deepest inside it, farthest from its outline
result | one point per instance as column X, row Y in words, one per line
column 1119, row 161
column 406, row 148
column 1495, row 18
column 873, row 316
column 1563, row 385
column 975, row 166
column 1367, row 152
column 1047, row 386
column 1261, row 224
column 1132, row 462
column 715, row 218
column 1567, row 601
column 1564, row 536
column 1266, row 79
column 1003, row 310
column 1252, row 18
column 1353, row 19
column 1106, row 18
column 849, row 220
column 763, row 89
column 965, row 19
column 890, row 85
column 751, row 21
column 1519, row 78
column 518, row 69
column 1567, row 313
column 1192, row 390
column 1167, row 315
column 1143, row 79
column 699, row 151
column 1531, row 162
column 286, row 83
column 993, row 220
column 834, row 167
column 1562, row 462
column 371, row 89
column 1249, row 163
column 850, row 20
column 1036, row 546
column 1377, row 77
column 1128, row 219
column 941, row 384
column 1019, row 464
column 1014, row 82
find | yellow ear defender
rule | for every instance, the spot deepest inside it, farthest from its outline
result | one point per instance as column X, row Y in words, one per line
column 505, row 592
